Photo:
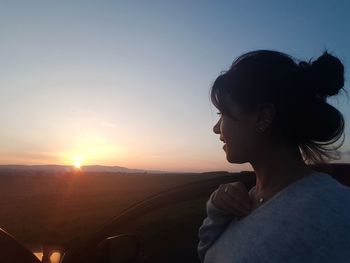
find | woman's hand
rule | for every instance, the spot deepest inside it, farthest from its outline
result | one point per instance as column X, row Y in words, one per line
column 233, row 198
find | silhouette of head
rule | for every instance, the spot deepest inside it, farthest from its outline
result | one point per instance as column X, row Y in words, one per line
column 298, row 91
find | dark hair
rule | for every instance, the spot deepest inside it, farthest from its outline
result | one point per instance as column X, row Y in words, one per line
column 297, row 89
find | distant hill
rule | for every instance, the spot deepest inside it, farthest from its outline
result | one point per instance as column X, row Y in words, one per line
column 66, row 168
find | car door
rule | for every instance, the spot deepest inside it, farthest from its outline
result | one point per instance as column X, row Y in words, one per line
column 165, row 226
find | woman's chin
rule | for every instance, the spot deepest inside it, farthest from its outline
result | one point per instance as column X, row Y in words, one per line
column 232, row 159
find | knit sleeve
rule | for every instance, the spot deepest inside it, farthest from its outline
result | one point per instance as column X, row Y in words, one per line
column 213, row 225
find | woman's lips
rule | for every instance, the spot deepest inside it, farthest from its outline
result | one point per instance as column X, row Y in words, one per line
column 222, row 139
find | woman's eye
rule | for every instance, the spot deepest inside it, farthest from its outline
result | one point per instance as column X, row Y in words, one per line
column 219, row 113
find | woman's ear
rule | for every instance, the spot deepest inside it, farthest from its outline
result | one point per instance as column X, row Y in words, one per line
column 265, row 114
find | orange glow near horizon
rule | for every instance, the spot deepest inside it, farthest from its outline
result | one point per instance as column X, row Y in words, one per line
column 77, row 164
column 91, row 150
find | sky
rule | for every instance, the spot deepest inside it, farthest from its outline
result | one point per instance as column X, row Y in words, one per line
column 127, row 83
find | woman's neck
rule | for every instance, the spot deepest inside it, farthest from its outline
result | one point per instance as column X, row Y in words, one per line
column 276, row 169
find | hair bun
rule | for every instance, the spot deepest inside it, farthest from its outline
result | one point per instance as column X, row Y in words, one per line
column 327, row 74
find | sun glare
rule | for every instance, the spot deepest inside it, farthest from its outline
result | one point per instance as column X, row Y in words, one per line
column 90, row 150
column 77, row 164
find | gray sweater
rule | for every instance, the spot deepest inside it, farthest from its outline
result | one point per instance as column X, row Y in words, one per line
column 308, row 221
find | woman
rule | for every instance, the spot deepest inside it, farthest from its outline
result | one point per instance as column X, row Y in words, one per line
column 274, row 115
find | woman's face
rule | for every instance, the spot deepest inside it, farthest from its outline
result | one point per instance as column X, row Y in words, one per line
column 238, row 135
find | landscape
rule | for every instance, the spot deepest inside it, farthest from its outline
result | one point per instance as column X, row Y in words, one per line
column 58, row 205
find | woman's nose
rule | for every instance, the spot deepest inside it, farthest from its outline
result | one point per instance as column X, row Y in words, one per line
column 216, row 128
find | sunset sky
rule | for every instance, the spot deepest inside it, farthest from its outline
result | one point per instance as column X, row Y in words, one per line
column 127, row 82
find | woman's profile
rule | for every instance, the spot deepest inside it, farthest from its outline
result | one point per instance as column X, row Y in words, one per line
column 274, row 114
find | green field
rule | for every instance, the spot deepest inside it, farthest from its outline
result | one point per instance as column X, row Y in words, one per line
column 41, row 208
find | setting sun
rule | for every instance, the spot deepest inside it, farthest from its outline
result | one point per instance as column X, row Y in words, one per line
column 77, row 164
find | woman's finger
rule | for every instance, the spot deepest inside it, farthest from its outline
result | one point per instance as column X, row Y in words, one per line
column 233, row 203
column 232, row 208
column 239, row 186
column 236, row 194
column 226, row 202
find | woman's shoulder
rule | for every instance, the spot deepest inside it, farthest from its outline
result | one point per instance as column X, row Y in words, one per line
column 321, row 181
column 316, row 181
column 313, row 179
column 318, row 190
column 314, row 193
